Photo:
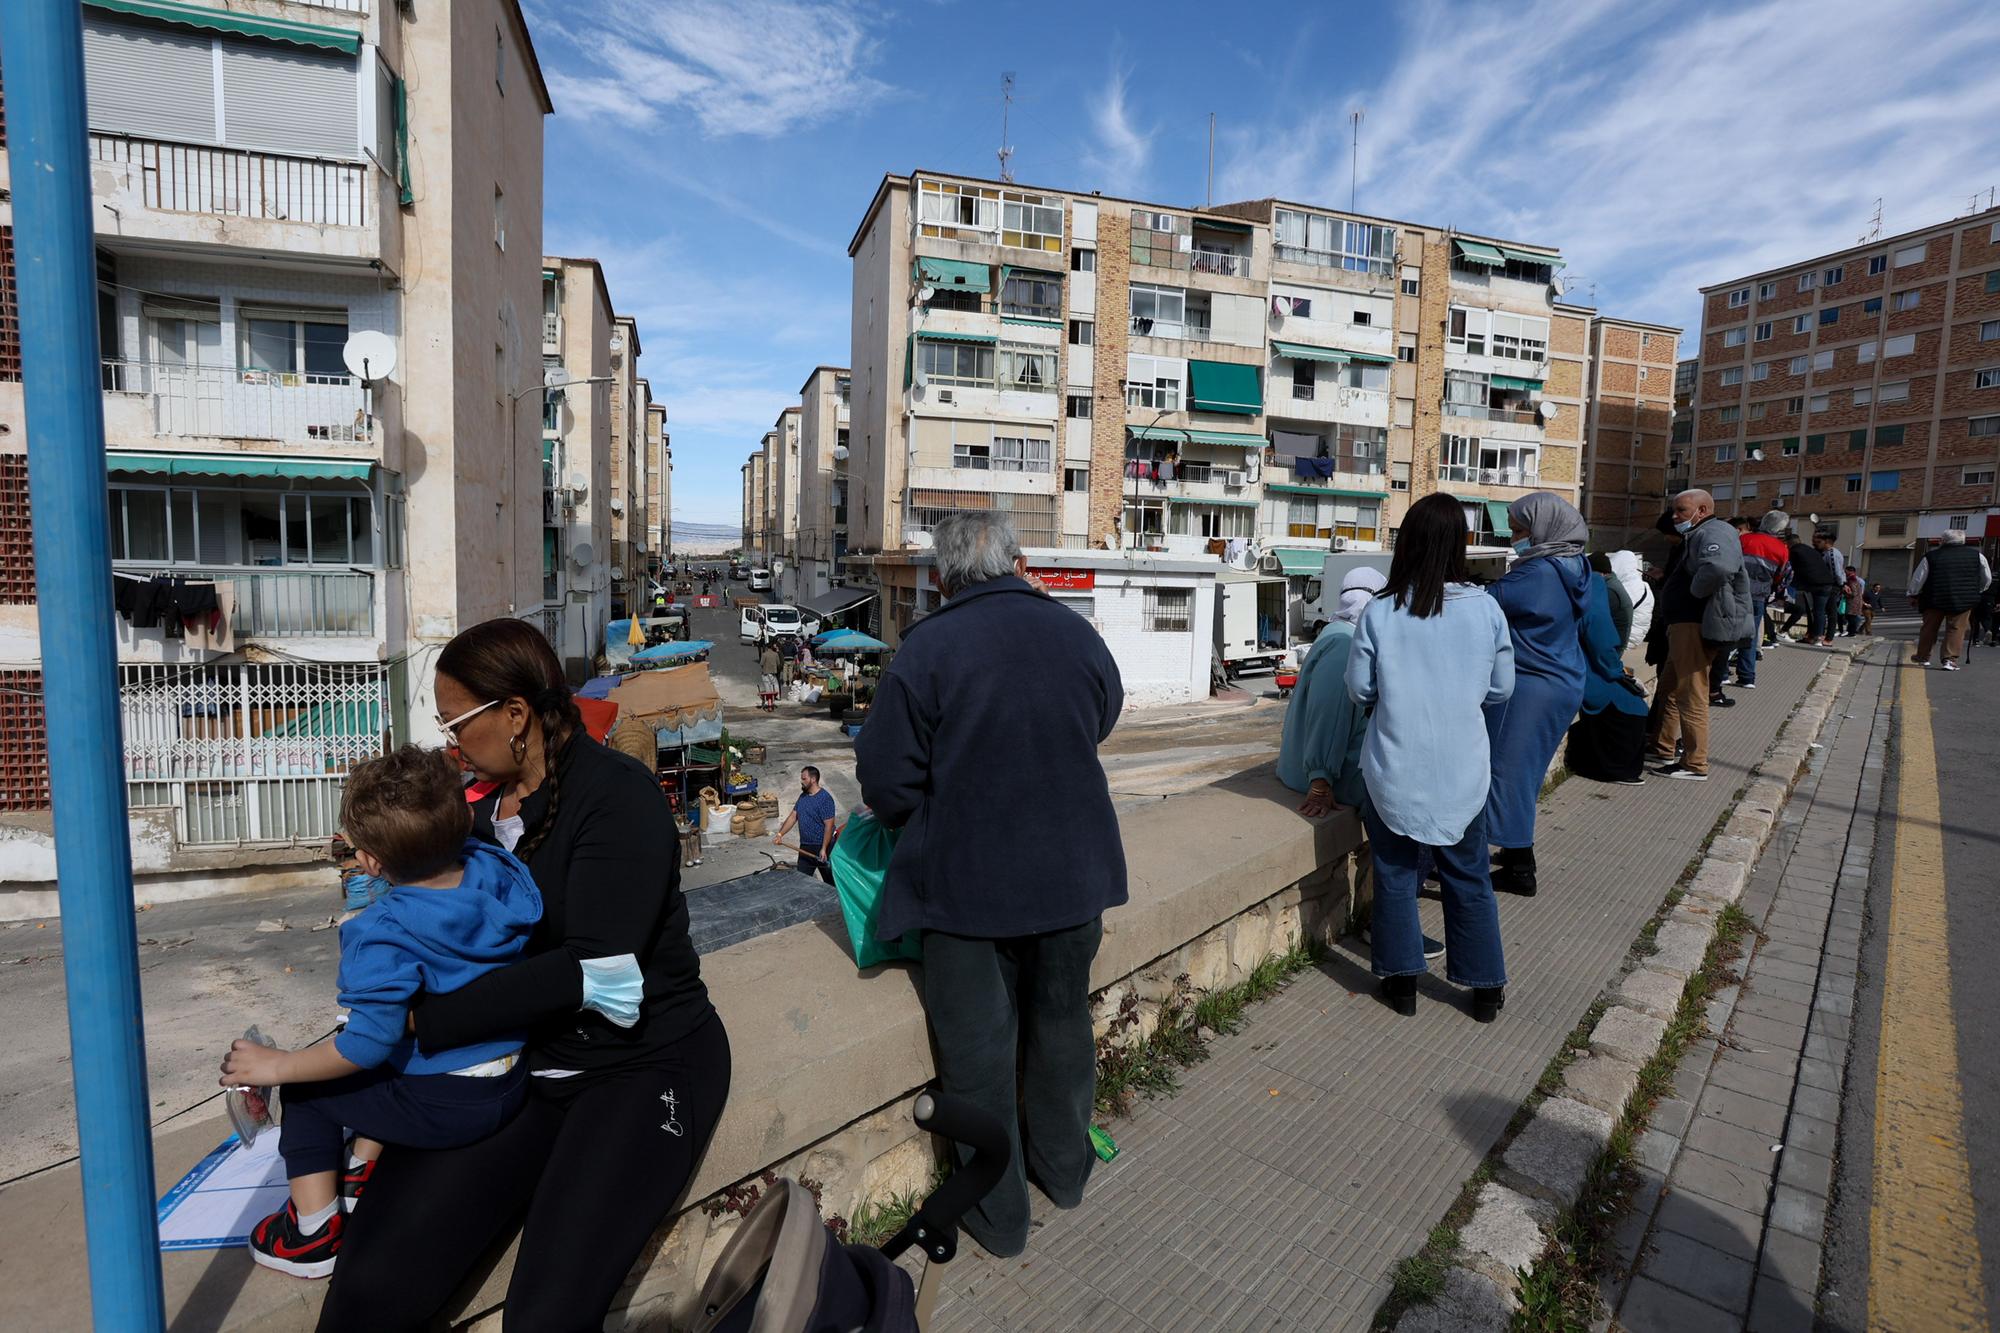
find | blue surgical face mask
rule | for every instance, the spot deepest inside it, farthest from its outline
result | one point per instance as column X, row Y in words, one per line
column 1521, row 547
column 1684, row 527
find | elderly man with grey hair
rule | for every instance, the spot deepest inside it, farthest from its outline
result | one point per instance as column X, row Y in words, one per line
column 981, row 747
column 1947, row 584
column 1705, row 605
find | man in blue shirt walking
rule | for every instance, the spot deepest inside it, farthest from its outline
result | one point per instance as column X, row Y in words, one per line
column 813, row 813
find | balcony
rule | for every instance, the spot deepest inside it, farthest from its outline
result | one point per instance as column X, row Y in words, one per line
column 236, row 182
column 285, row 603
column 1490, row 476
column 230, row 403
column 1220, row 263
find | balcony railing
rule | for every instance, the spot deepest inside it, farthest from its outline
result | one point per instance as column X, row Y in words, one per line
column 1222, row 263
column 1489, row 476
column 245, row 404
column 1299, row 254
column 285, row 603
column 1191, row 329
column 1511, row 415
column 238, row 183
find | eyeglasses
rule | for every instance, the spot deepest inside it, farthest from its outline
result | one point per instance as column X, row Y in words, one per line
column 450, row 729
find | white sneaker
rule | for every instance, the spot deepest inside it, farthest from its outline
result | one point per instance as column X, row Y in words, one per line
column 1951, row 666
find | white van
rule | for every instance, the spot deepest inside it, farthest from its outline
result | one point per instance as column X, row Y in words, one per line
column 768, row 622
column 760, row 579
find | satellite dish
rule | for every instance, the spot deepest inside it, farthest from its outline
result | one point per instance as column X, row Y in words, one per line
column 1556, row 284
column 839, row 452
column 1756, row 455
column 926, row 294
column 555, row 377
column 1547, row 409
column 370, row 355
column 582, row 554
column 579, row 483
column 617, row 342
column 1812, row 518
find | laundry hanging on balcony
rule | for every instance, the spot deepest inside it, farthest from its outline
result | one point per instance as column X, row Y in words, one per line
column 1312, row 467
column 174, row 605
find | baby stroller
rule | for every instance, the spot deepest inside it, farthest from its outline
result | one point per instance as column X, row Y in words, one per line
column 783, row 1272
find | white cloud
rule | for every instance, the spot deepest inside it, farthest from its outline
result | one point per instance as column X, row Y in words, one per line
column 752, row 67
column 1659, row 145
column 1122, row 152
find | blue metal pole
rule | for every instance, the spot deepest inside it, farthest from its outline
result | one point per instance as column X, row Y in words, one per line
column 55, row 261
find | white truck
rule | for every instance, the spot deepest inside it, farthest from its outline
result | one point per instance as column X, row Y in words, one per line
column 1322, row 599
column 1249, row 622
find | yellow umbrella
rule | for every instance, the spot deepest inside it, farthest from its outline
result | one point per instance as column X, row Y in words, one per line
column 637, row 637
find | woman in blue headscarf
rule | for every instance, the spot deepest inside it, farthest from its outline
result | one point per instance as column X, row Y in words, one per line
column 1320, row 752
column 1544, row 596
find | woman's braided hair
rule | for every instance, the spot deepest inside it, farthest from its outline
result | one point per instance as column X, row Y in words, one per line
column 509, row 659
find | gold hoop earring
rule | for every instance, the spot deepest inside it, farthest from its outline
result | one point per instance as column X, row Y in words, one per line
column 519, row 746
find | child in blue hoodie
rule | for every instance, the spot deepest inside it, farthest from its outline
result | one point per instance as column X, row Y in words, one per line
column 459, row 908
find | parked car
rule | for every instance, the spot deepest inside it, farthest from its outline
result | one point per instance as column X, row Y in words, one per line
column 759, row 623
column 738, row 573
column 760, row 579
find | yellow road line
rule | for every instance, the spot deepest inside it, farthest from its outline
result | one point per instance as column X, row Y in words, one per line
column 1923, row 1269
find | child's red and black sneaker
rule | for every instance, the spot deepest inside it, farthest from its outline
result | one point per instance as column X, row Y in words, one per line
column 280, row 1242
column 353, row 1180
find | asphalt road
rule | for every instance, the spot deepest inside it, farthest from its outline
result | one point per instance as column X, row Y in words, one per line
column 1965, row 729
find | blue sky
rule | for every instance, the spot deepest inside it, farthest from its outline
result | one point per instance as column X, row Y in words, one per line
column 716, row 155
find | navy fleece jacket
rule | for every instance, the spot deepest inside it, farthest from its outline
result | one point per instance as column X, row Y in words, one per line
column 432, row 940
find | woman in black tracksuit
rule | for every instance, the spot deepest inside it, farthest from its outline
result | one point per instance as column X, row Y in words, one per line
column 617, row 1116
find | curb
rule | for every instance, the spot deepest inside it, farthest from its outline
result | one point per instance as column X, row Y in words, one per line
column 1543, row 1171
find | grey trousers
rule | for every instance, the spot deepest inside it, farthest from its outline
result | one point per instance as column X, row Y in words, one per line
column 998, row 1005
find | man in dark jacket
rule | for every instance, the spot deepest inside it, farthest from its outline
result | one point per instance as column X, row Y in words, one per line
column 982, row 748
column 1947, row 583
column 1705, row 602
column 1814, row 582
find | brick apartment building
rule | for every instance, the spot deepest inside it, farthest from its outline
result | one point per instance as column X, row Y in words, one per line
column 1629, row 419
column 1862, row 386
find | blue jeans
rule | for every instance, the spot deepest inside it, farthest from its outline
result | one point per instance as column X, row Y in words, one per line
column 1473, row 955
column 1746, row 657
column 1820, row 602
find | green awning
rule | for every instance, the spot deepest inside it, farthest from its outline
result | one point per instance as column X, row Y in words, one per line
column 1225, row 386
column 1294, row 563
column 1031, row 321
column 1496, row 514
column 356, row 718
column 1371, row 358
column 1529, row 256
column 1477, row 252
column 1301, row 352
column 237, row 465
column 1217, row 224
column 1289, row 489
column 937, row 335
column 955, row 273
column 1227, row 439
column 344, row 40
column 1510, row 382
column 1191, row 500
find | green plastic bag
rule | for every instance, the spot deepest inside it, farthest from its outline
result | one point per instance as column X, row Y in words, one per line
column 860, row 870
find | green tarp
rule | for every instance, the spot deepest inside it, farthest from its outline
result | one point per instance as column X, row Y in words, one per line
column 1299, row 564
column 356, row 718
column 1225, row 386
column 236, row 465
column 1301, row 352
column 957, row 274
column 1478, row 252
column 1496, row 514
column 344, row 40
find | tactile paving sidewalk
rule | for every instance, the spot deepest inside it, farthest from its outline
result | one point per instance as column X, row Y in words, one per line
column 1320, row 1144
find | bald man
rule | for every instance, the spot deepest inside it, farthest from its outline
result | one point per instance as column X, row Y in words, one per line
column 1705, row 602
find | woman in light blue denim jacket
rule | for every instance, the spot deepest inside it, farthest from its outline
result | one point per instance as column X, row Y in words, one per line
column 1431, row 651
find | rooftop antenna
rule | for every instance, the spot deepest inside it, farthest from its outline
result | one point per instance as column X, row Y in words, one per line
column 1354, row 119
column 1209, row 200
column 1006, row 109
column 1875, row 222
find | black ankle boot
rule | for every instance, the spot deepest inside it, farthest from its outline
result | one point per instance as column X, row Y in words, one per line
column 1515, row 872
column 1400, row 994
column 1487, row 1002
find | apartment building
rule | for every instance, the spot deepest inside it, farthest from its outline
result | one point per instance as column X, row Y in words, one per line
column 1861, row 387
column 659, row 487
column 1627, row 424
column 577, row 549
column 302, row 420
column 1122, row 375
column 628, row 486
column 820, row 539
column 782, row 471
column 756, row 497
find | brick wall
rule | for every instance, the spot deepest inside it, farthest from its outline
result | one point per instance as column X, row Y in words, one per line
column 1966, row 347
column 1617, row 377
column 1107, row 408
column 24, row 742
column 1929, row 310
column 17, row 534
column 1622, row 344
column 10, row 310
column 1566, row 379
column 1433, row 317
column 1970, row 299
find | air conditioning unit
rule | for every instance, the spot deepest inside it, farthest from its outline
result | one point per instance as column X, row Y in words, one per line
column 568, row 498
column 1233, row 480
column 618, row 571
column 1340, row 543
column 944, row 396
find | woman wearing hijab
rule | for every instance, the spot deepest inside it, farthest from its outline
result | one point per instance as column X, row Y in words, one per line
column 1428, row 654
column 1320, row 754
column 1608, row 742
column 1544, row 597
